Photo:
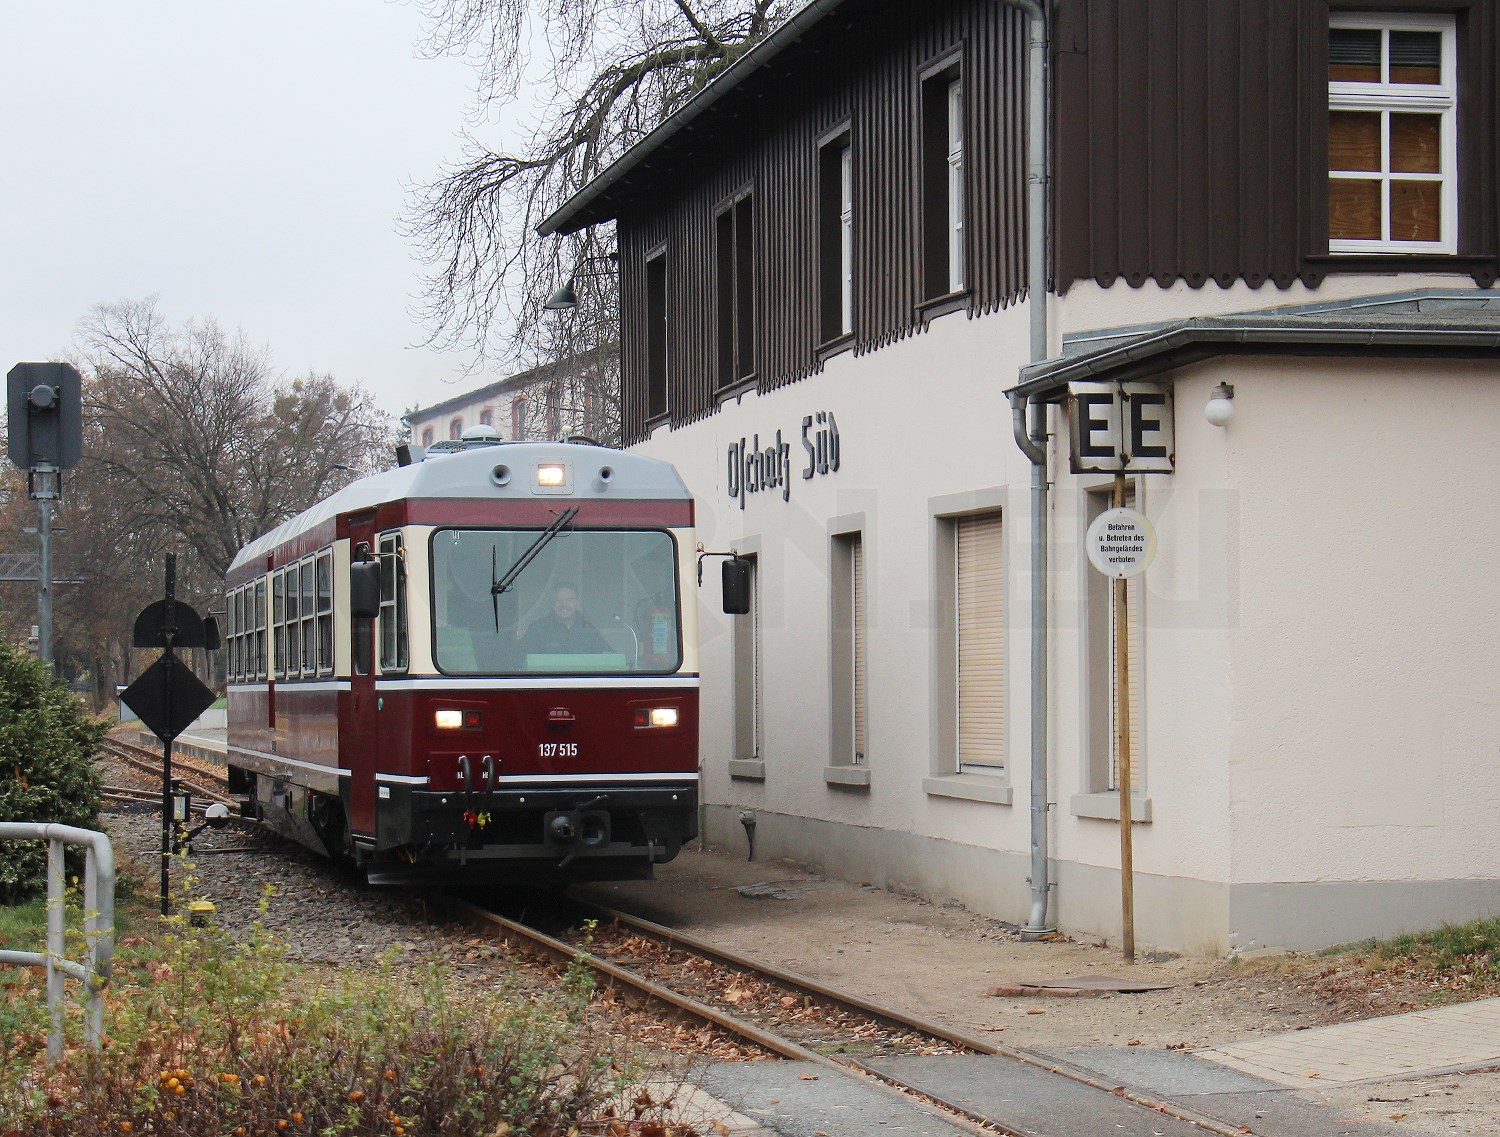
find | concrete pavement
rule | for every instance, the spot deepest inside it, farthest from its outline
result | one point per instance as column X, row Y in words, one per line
column 1247, row 1088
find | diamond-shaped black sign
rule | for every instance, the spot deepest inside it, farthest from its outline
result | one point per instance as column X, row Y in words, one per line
column 147, row 697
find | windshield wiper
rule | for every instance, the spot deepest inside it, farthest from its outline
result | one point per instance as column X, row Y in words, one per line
column 502, row 584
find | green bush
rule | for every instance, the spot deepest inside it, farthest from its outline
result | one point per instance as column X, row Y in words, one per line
column 47, row 773
column 217, row 1037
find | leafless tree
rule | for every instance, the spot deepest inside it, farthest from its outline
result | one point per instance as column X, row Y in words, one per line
column 617, row 68
column 202, row 442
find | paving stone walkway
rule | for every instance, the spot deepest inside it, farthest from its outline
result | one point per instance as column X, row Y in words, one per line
column 1419, row 1042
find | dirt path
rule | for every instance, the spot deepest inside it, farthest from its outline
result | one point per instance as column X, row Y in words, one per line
column 944, row 960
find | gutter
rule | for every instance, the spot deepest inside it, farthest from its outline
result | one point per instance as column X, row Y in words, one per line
column 1156, row 351
column 565, row 218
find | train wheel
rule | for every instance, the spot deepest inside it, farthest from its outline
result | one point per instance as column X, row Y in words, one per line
column 327, row 817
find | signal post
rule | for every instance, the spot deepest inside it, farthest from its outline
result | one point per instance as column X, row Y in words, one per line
column 44, row 412
column 1122, row 428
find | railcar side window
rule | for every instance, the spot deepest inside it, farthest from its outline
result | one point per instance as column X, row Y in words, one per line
column 231, row 654
column 240, row 617
column 392, row 604
column 293, row 623
column 325, row 613
column 587, row 602
column 309, row 614
column 278, row 620
column 237, row 632
column 258, row 649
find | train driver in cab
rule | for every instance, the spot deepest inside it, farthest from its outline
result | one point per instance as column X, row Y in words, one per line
column 563, row 631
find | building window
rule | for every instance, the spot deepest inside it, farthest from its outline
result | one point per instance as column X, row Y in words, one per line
column 943, row 183
column 979, row 634
column 1103, row 718
column 656, row 336
column 1392, row 135
column 427, row 436
column 734, row 256
column 836, row 238
column 487, row 417
column 747, row 673
column 456, row 428
column 849, row 737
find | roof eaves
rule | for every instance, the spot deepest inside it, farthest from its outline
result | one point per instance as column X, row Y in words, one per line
column 569, row 217
column 1172, row 345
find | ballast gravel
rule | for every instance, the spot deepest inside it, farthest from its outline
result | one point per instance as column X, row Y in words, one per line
column 321, row 914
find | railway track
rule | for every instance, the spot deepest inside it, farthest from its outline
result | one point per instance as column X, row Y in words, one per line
column 794, row 1017
column 134, row 795
column 203, row 779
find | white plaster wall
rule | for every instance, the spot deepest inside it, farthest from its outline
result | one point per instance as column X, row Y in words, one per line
column 1189, row 611
column 498, row 404
column 1322, row 707
column 922, row 418
column 1365, row 737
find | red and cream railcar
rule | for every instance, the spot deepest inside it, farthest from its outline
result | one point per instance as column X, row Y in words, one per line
column 483, row 661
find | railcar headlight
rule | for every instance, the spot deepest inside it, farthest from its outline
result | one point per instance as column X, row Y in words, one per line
column 446, row 718
column 551, row 474
column 648, row 717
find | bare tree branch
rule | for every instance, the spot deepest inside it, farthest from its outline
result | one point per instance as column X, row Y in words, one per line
column 618, row 68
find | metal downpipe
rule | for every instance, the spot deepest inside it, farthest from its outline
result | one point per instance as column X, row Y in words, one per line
column 1033, row 443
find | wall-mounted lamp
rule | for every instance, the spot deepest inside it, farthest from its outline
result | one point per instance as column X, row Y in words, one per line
column 566, row 297
column 1220, row 408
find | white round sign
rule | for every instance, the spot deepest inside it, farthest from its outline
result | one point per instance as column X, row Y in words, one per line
column 1121, row 543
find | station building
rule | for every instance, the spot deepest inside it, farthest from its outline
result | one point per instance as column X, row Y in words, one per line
column 834, row 327
column 543, row 403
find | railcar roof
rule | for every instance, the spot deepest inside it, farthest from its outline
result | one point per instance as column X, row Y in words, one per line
column 466, row 474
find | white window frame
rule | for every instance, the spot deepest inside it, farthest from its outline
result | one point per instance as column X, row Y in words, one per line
column 747, row 646
column 850, row 618
column 846, row 238
column 1099, row 795
column 1386, row 97
column 955, row 186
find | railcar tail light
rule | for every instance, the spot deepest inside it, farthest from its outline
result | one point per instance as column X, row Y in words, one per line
column 648, row 717
column 448, row 719
column 551, row 474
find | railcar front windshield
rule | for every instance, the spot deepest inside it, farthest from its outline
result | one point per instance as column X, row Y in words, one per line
column 587, row 602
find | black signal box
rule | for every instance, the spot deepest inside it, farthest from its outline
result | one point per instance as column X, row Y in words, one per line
column 44, row 411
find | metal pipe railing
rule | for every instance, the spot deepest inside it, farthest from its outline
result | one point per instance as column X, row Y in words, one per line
column 98, row 928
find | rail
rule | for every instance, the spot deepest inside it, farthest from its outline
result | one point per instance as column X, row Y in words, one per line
column 99, row 925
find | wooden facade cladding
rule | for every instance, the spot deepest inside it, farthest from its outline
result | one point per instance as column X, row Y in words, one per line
column 1191, row 141
column 863, row 73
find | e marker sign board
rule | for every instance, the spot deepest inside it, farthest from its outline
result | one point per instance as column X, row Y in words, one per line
column 1121, row 428
column 1121, row 543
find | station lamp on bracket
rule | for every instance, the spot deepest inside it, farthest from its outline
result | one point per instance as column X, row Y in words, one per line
column 1220, row 408
column 566, row 297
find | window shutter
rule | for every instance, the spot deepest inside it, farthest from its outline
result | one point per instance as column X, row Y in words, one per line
column 981, row 642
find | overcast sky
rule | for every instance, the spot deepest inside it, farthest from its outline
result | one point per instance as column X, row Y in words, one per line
column 240, row 159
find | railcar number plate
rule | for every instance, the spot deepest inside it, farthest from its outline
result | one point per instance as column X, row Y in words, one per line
column 557, row 749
